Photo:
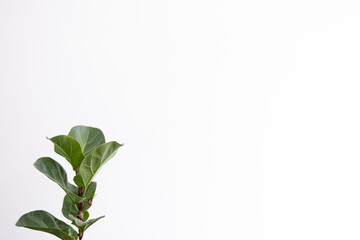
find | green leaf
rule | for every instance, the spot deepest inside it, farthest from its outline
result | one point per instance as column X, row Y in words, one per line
column 70, row 208
column 86, row 215
column 44, row 221
column 94, row 161
column 89, row 195
column 88, row 137
column 69, row 148
column 57, row 173
column 84, row 225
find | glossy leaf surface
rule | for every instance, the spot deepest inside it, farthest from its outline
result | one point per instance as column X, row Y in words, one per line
column 69, row 148
column 88, row 137
column 45, row 222
column 57, row 173
column 94, row 161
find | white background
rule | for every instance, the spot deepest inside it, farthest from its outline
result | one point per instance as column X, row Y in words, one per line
column 240, row 119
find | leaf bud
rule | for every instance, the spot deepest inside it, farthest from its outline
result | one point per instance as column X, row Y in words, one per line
column 79, row 215
column 80, row 191
column 80, row 205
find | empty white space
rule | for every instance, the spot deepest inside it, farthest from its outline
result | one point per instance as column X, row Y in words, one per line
column 240, row 119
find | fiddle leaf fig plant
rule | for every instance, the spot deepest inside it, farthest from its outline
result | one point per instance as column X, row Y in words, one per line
column 86, row 150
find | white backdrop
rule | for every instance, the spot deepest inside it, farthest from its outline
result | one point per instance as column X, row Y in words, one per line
column 240, row 119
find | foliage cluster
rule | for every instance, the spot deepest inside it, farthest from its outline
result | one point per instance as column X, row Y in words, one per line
column 86, row 150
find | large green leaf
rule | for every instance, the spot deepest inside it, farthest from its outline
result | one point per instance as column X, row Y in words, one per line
column 70, row 208
column 94, row 161
column 69, row 148
column 57, row 173
column 88, row 137
column 44, row 221
column 84, row 225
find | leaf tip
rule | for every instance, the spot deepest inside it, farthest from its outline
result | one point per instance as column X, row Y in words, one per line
column 17, row 224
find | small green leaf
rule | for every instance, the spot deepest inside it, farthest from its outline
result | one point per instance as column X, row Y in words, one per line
column 84, row 225
column 89, row 195
column 45, row 222
column 70, row 208
column 94, row 161
column 86, row 215
column 88, row 137
column 57, row 173
column 69, row 148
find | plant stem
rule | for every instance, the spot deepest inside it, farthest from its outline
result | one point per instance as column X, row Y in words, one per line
column 80, row 235
column 80, row 206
